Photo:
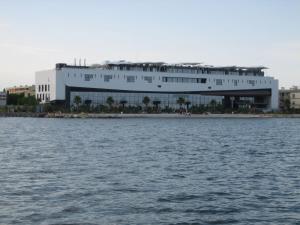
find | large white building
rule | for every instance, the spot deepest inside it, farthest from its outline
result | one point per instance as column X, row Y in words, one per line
column 161, row 82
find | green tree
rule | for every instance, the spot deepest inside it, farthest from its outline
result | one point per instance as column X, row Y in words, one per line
column 180, row 101
column 287, row 104
column 77, row 101
column 110, row 101
column 20, row 99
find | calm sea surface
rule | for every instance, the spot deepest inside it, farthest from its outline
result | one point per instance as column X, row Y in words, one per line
column 149, row 171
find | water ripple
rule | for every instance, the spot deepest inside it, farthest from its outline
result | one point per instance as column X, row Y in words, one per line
column 149, row 171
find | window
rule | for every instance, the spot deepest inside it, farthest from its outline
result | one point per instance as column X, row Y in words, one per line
column 45, row 87
column 202, row 80
column 48, row 87
column 107, row 78
column 39, row 88
column 88, row 77
column 184, row 80
column 130, row 79
column 235, row 82
column 252, row 82
column 219, row 82
column 148, row 79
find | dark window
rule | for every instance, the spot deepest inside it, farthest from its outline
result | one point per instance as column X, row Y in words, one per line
column 201, row 80
column 219, row 82
column 107, row 78
column 88, row 77
column 130, row 79
column 148, row 79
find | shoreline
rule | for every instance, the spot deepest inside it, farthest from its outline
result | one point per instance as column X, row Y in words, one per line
column 141, row 115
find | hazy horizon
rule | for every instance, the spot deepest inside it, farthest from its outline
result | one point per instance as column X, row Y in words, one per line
column 35, row 35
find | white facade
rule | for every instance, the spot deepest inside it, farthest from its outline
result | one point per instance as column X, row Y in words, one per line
column 52, row 85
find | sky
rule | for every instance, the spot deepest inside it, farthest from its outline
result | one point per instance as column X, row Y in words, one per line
column 35, row 34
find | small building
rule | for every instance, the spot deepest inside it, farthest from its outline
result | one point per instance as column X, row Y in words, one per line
column 2, row 99
column 26, row 90
column 289, row 98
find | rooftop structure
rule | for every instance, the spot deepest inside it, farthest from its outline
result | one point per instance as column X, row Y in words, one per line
column 194, row 68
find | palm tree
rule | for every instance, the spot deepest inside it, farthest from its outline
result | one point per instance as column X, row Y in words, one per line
column 77, row 101
column 187, row 103
column 146, row 101
column 123, row 102
column 156, row 103
column 110, row 101
column 180, row 101
column 213, row 104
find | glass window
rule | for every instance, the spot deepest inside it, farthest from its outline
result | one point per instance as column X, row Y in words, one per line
column 107, row 78
column 148, row 79
column 88, row 77
column 219, row 82
column 130, row 79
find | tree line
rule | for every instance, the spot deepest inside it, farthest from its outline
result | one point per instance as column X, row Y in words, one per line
column 112, row 107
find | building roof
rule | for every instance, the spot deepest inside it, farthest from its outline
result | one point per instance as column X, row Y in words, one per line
column 163, row 65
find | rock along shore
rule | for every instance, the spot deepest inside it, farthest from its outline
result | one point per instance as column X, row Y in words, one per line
column 145, row 115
